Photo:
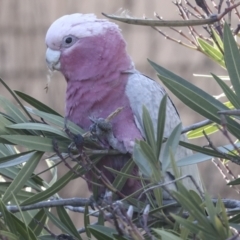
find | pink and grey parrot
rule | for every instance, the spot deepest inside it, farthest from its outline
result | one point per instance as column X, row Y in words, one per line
column 101, row 77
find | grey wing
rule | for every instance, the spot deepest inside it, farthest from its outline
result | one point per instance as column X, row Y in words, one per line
column 141, row 90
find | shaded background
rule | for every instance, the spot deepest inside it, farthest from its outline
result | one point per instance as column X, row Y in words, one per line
column 23, row 25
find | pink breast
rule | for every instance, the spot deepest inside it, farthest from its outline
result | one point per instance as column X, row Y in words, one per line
column 98, row 98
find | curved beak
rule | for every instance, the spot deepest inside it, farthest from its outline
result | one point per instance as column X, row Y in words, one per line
column 53, row 59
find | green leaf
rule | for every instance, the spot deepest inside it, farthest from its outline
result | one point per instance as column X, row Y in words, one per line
column 35, row 103
column 47, row 237
column 102, row 232
column 39, row 126
column 206, row 151
column 171, row 144
column 119, row 237
column 148, row 130
column 211, row 51
column 58, row 223
column 193, row 159
column 22, row 176
column 161, row 124
column 16, row 98
column 232, row 97
column 12, row 110
column 192, row 96
column 15, row 159
column 235, row 219
column 122, row 174
column 139, row 157
column 12, row 172
column 189, row 203
column 21, row 215
column 234, row 182
column 100, row 219
column 66, row 220
column 63, row 181
column 9, row 235
column 4, row 122
column 53, row 169
column 196, row 98
column 25, row 231
column 194, row 228
column 120, row 180
column 217, row 39
column 8, row 219
column 87, row 221
column 21, row 195
column 56, row 120
column 5, row 151
column 232, row 59
column 36, row 143
column 197, row 133
column 166, row 235
column 38, row 222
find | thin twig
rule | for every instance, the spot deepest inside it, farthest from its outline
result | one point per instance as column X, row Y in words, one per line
column 235, row 10
column 175, row 40
column 172, row 23
column 225, row 177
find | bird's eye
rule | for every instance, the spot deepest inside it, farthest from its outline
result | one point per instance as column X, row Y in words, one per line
column 68, row 40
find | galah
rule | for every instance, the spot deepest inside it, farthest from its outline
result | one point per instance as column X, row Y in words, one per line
column 101, row 77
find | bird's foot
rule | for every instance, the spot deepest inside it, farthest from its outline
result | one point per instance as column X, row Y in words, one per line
column 101, row 199
column 102, row 129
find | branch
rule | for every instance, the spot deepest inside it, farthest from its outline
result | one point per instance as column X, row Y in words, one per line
column 78, row 205
column 196, row 125
column 51, row 203
column 171, row 23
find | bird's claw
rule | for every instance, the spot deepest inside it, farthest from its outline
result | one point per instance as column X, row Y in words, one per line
column 102, row 130
column 100, row 127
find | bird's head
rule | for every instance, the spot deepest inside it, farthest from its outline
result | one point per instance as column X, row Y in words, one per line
column 82, row 46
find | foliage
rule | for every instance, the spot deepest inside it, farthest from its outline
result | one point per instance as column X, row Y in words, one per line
column 29, row 135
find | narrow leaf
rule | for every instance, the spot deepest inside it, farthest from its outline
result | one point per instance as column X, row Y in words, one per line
column 102, row 232
column 166, row 235
column 196, row 98
column 8, row 235
column 232, row 59
column 39, row 126
column 172, row 143
column 12, row 110
column 197, row 133
column 56, row 120
column 36, row 143
column 161, row 124
column 38, row 222
column 148, row 130
column 58, row 223
column 87, row 221
column 120, row 180
column 211, row 51
column 7, row 216
column 35, row 103
column 63, row 181
column 16, row 159
column 22, row 176
column 66, row 220
column 228, row 92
